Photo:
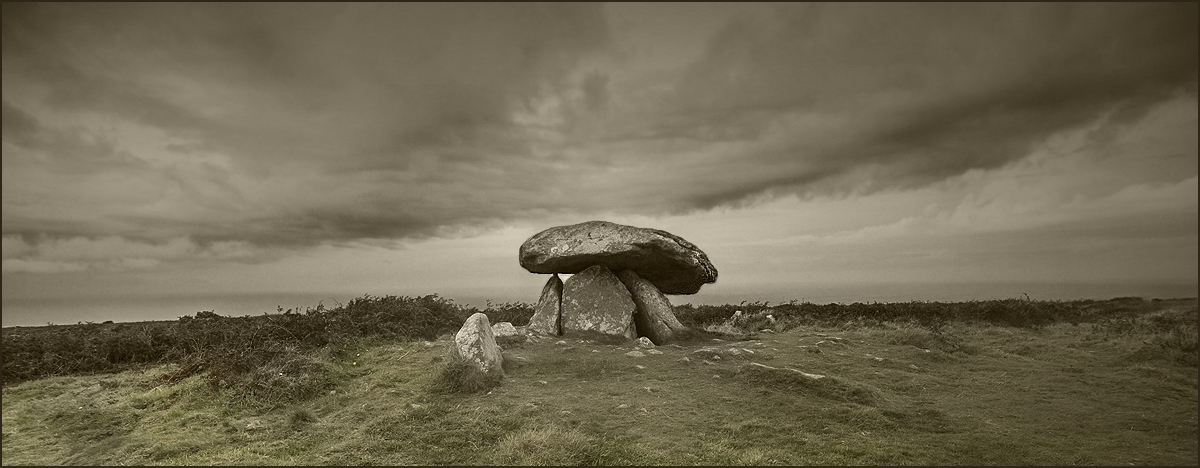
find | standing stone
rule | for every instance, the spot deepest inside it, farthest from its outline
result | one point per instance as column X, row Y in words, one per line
column 672, row 264
column 595, row 300
column 476, row 345
column 655, row 317
column 547, row 315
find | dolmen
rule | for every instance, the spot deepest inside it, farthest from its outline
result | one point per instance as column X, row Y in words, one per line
column 620, row 276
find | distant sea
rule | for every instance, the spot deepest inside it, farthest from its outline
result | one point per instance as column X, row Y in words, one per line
column 70, row 310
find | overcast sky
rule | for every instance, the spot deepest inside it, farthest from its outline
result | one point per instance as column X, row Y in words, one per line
column 409, row 149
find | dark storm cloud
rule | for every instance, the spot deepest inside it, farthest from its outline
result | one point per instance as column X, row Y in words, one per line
column 302, row 123
column 70, row 150
column 373, row 79
column 385, row 108
column 928, row 91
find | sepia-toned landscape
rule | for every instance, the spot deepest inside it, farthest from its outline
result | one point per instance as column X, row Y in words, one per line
column 373, row 382
column 599, row 233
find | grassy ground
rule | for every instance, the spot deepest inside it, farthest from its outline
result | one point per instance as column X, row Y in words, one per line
column 1114, row 393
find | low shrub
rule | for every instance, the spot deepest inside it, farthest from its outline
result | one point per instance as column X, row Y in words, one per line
column 516, row 313
column 227, row 346
column 1177, row 345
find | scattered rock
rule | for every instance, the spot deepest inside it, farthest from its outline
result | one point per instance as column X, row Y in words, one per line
column 672, row 264
column 504, row 329
column 644, row 342
column 653, row 351
column 635, row 354
column 595, row 300
column 547, row 315
column 806, row 374
column 476, row 345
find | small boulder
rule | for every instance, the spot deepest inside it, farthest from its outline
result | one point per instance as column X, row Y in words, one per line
column 504, row 329
column 476, row 345
column 672, row 264
column 547, row 315
column 595, row 300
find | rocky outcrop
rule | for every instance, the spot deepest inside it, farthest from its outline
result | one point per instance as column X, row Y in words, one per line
column 670, row 263
column 546, row 315
column 476, row 345
column 595, row 300
column 655, row 317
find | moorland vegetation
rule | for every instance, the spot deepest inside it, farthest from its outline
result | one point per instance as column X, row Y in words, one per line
column 1012, row 381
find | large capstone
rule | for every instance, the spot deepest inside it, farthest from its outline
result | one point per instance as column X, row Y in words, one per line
column 594, row 300
column 655, row 317
column 670, row 263
column 476, row 345
column 546, row 315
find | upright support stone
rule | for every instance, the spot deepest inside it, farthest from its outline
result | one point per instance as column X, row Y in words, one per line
column 476, row 345
column 547, row 316
column 596, row 300
column 655, row 317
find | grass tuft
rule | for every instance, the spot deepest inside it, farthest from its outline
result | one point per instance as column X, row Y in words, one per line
column 556, row 446
column 455, row 376
column 299, row 418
